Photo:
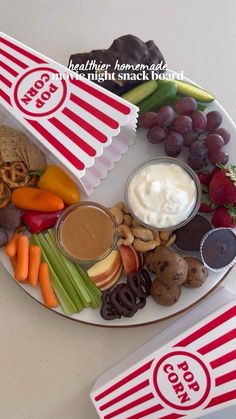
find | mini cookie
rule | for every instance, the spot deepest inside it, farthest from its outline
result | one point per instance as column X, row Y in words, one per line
column 152, row 259
column 197, row 273
column 172, row 269
column 164, row 294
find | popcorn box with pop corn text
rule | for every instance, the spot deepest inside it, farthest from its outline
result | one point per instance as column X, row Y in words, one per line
column 190, row 376
column 85, row 127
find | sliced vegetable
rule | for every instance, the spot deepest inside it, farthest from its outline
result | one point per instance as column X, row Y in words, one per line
column 11, row 246
column 75, row 278
column 49, row 297
column 55, row 260
column 188, row 89
column 36, row 199
column 140, row 92
column 22, row 267
column 83, row 282
column 67, row 305
column 163, row 95
column 93, row 291
column 37, row 221
column 59, row 183
column 34, row 264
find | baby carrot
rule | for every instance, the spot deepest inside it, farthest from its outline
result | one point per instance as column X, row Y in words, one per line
column 13, row 261
column 49, row 297
column 22, row 267
column 34, row 263
column 11, row 246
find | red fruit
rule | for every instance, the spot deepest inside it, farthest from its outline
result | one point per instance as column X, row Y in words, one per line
column 206, row 204
column 222, row 187
column 225, row 216
column 204, row 177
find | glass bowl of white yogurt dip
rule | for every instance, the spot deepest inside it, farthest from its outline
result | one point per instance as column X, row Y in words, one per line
column 163, row 193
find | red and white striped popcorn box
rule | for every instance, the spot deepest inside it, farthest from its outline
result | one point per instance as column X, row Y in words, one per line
column 85, row 127
column 190, row 376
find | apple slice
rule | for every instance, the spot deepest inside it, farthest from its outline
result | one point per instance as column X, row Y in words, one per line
column 131, row 259
column 111, row 282
column 105, row 269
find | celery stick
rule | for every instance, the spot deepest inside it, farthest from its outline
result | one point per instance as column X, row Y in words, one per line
column 94, row 292
column 74, row 275
column 67, row 305
column 60, row 270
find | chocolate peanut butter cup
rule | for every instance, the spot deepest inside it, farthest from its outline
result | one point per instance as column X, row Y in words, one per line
column 218, row 249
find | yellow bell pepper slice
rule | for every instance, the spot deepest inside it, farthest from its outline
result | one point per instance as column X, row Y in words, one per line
column 58, row 182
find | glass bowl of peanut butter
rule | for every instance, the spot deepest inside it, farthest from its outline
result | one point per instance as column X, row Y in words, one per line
column 86, row 232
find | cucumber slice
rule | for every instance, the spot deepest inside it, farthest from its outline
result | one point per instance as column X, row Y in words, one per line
column 163, row 95
column 140, row 92
column 188, row 89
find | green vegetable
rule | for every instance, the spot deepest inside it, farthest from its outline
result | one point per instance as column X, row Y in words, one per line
column 58, row 267
column 93, row 291
column 87, row 291
column 163, row 95
column 188, row 89
column 67, row 305
column 140, row 92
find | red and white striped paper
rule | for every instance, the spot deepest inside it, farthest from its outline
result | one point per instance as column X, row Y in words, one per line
column 84, row 126
column 188, row 377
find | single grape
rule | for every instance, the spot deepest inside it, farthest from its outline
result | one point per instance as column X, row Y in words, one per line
column 223, row 133
column 196, row 163
column 148, row 119
column 156, row 134
column 166, row 116
column 214, row 119
column 198, row 150
column 173, row 144
column 189, row 138
column 182, row 124
column 214, row 141
column 218, row 156
column 186, row 106
column 199, row 121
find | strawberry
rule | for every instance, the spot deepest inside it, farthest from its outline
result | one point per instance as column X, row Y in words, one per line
column 222, row 187
column 225, row 216
column 204, row 177
column 206, row 204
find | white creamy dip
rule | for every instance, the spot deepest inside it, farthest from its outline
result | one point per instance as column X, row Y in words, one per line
column 162, row 194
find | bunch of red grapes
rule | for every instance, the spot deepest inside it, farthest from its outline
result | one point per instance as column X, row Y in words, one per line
column 187, row 127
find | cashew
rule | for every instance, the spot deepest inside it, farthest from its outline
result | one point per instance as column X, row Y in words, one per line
column 117, row 214
column 135, row 223
column 120, row 205
column 127, row 220
column 126, row 210
column 157, row 237
column 164, row 235
column 143, row 234
column 126, row 234
column 171, row 240
column 144, row 247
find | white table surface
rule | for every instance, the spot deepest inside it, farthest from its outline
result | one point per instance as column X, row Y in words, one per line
column 48, row 364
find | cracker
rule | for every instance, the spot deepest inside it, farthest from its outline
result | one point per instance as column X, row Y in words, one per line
column 5, row 131
column 36, row 158
column 8, row 146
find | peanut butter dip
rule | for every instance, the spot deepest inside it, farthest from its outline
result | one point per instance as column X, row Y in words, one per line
column 87, row 233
